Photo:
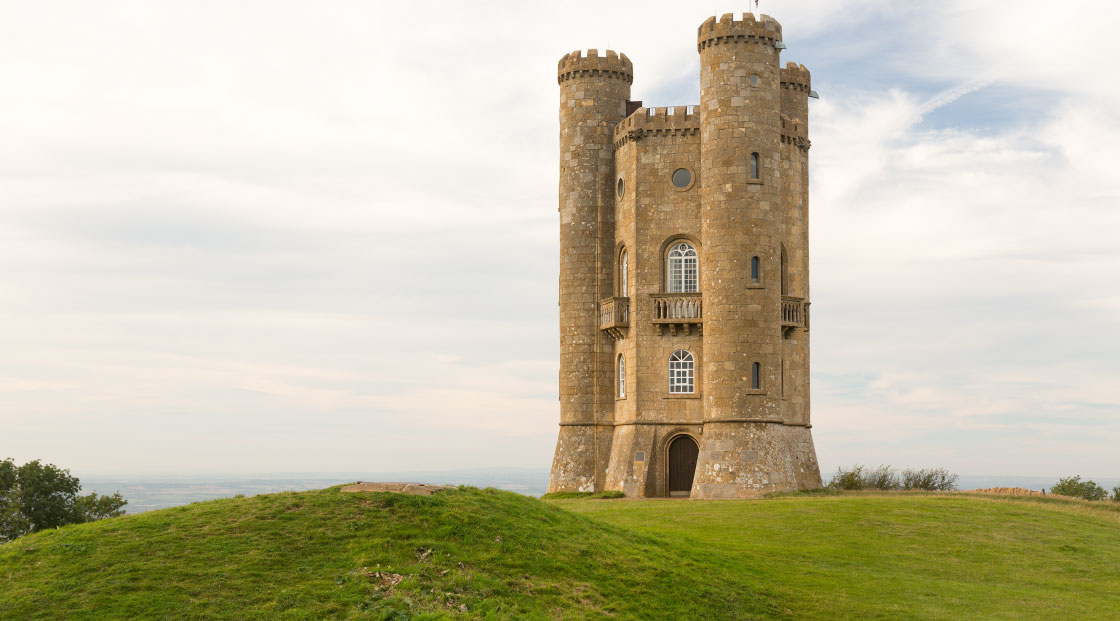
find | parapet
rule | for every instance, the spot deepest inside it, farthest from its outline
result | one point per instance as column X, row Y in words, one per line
column 612, row 66
column 796, row 77
column 794, row 132
column 728, row 30
column 654, row 122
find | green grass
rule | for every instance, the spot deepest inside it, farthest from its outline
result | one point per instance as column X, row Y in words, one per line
column 494, row 554
column 876, row 555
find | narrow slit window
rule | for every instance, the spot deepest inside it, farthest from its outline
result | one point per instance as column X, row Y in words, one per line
column 621, row 377
column 623, row 289
column 756, row 269
column 682, row 372
column 754, row 166
column 682, row 269
column 756, row 375
column 785, row 271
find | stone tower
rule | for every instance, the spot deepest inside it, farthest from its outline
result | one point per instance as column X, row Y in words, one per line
column 684, row 275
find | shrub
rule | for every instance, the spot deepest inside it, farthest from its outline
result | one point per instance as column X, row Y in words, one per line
column 1116, row 494
column 881, row 478
column 1075, row 487
column 885, row 478
column 929, row 479
column 852, row 478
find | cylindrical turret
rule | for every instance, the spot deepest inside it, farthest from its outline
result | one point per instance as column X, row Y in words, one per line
column 593, row 94
column 741, row 214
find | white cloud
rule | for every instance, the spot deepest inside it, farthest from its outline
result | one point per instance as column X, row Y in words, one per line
column 322, row 237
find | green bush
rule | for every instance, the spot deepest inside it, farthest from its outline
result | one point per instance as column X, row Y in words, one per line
column 881, row 478
column 885, row 478
column 1075, row 487
column 929, row 479
column 1116, row 494
column 851, row 479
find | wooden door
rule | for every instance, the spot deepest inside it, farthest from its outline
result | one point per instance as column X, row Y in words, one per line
column 682, row 465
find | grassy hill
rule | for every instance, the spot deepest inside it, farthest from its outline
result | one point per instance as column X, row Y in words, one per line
column 490, row 554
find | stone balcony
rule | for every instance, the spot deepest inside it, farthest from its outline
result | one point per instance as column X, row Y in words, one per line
column 795, row 314
column 614, row 316
column 678, row 311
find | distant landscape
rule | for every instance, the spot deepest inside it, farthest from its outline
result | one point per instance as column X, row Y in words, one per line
column 151, row 492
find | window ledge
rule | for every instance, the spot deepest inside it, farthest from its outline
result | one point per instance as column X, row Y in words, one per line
column 681, row 395
column 754, row 181
column 756, row 285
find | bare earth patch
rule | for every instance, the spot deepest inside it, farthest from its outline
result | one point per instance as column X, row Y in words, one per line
column 416, row 489
column 1011, row 491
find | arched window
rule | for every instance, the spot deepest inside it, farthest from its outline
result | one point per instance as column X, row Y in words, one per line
column 785, row 271
column 682, row 367
column 621, row 377
column 754, row 166
column 756, row 375
column 681, row 268
column 756, row 270
column 622, row 275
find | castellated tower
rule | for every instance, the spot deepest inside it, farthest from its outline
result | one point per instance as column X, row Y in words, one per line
column 684, row 276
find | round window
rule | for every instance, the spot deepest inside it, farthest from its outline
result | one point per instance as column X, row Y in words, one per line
column 681, row 178
column 754, row 80
column 621, row 187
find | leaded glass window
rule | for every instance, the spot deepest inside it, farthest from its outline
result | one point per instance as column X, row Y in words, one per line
column 682, row 368
column 681, row 270
column 621, row 377
column 622, row 275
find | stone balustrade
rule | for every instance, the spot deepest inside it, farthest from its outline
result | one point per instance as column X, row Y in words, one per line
column 795, row 313
column 614, row 316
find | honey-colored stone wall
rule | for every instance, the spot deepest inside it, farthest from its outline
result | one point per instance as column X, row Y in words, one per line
column 593, row 94
column 752, row 441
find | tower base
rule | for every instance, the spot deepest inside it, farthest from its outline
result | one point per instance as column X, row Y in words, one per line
column 582, row 453
column 749, row 460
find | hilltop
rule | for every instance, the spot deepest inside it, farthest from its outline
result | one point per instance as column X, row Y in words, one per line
column 490, row 554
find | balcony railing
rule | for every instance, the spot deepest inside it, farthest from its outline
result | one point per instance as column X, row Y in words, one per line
column 678, row 309
column 614, row 316
column 795, row 313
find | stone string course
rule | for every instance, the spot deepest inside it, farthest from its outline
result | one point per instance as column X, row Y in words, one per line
column 751, row 441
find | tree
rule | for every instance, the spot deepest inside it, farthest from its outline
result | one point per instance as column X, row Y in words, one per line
column 1075, row 487
column 36, row 496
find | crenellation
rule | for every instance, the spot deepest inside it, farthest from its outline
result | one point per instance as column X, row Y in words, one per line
column 795, row 76
column 764, row 31
column 613, row 66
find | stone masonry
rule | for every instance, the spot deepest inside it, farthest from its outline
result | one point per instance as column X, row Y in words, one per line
column 727, row 178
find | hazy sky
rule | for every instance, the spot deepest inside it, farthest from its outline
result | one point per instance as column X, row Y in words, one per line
column 322, row 236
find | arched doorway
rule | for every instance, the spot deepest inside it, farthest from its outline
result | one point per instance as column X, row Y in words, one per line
column 682, row 465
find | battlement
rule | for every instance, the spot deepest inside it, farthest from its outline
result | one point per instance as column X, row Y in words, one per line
column 612, row 66
column 794, row 132
column 653, row 122
column 729, row 30
column 796, row 77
